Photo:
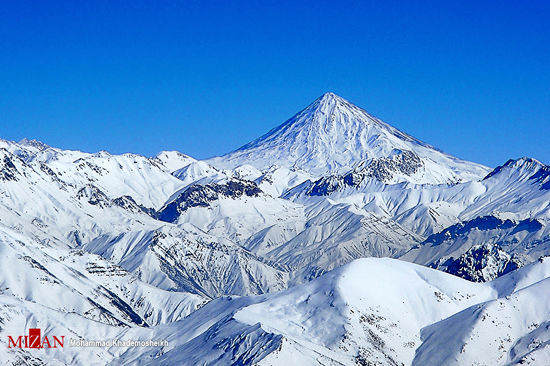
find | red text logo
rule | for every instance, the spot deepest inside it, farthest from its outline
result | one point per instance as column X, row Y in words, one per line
column 35, row 340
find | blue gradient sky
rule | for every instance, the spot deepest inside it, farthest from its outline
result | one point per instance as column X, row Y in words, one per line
column 472, row 78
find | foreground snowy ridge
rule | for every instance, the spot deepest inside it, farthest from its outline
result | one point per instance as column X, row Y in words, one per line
column 270, row 254
column 343, row 317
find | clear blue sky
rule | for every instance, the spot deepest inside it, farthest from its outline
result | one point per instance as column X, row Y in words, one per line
column 472, row 78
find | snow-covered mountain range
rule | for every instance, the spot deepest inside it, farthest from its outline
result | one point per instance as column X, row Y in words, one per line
column 333, row 239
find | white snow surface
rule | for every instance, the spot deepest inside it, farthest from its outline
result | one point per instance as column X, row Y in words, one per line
column 374, row 310
column 332, row 135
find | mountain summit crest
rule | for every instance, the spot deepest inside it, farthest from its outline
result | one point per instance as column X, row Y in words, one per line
column 331, row 135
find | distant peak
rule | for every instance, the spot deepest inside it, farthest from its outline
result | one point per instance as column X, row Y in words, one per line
column 331, row 97
column 34, row 143
column 523, row 161
column 331, row 102
column 521, row 164
column 172, row 153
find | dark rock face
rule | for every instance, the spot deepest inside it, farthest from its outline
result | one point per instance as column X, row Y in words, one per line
column 482, row 223
column 128, row 203
column 94, row 196
column 499, row 168
column 8, row 171
column 382, row 169
column 481, row 263
column 487, row 258
column 83, row 164
column 325, row 186
column 46, row 169
column 199, row 195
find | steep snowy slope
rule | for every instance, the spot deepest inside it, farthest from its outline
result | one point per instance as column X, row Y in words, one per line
column 235, row 209
column 483, row 248
column 147, row 181
column 369, row 312
column 479, row 229
column 306, row 239
column 512, row 228
column 424, row 209
column 25, row 149
column 173, row 160
column 198, row 172
column 520, row 188
column 119, row 175
column 347, row 318
column 510, row 330
column 74, row 281
column 184, row 258
column 332, row 136
column 333, row 235
column 53, row 208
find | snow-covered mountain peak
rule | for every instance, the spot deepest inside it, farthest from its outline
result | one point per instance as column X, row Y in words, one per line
column 331, row 112
column 520, row 168
column 332, row 100
column 173, row 160
column 524, row 163
column 332, row 135
column 330, row 95
column 33, row 143
column 103, row 154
